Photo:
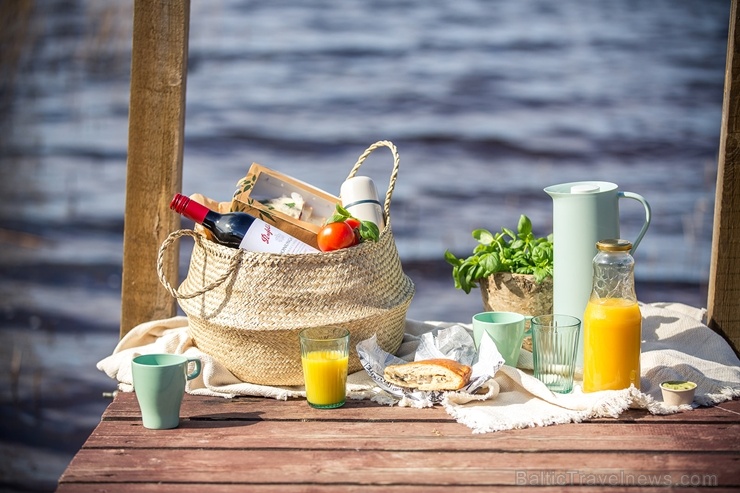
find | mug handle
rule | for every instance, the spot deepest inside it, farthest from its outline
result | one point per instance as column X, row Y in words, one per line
column 527, row 328
column 196, row 371
column 641, row 199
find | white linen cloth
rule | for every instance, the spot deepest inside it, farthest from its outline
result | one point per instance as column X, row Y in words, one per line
column 676, row 346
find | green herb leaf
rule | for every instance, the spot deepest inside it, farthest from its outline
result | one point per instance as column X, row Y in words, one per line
column 525, row 225
column 516, row 245
column 483, row 236
column 369, row 231
column 451, row 259
column 340, row 214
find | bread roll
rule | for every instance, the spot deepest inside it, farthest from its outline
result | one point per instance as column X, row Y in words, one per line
column 430, row 374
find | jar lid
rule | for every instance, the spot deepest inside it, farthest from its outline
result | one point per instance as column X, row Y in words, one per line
column 614, row 245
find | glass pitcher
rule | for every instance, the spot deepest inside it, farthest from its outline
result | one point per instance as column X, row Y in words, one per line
column 612, row 322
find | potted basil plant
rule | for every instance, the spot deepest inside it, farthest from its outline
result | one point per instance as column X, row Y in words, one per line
column 514, row 269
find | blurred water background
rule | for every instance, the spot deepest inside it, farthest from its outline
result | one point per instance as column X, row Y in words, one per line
column 488, row 103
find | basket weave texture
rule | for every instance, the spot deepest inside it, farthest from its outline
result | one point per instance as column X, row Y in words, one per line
column 246, row 308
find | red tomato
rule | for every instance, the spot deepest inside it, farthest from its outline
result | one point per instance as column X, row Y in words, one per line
column 334, row 236
column 353, row 222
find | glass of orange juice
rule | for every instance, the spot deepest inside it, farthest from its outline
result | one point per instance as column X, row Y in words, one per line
column 325, row 354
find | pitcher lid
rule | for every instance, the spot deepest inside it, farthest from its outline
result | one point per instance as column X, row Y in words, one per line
column 585, row 188
column 581, row 188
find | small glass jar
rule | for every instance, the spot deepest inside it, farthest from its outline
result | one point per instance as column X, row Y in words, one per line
column 612, row 322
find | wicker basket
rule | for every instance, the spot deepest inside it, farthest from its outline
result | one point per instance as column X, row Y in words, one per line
column 246, row 308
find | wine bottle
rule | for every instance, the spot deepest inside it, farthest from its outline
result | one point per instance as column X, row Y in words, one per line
column 239, row 229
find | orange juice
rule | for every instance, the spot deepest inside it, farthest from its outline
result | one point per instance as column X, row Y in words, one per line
column 325, row 374
column 612, row 331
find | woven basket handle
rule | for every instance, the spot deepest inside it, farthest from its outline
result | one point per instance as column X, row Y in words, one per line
column 198, row 238
column 394, row 173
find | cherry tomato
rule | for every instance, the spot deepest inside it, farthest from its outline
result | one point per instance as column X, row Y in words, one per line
column 353, row 222
column 334, row 236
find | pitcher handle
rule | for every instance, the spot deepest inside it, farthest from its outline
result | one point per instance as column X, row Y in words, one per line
column 641, row 199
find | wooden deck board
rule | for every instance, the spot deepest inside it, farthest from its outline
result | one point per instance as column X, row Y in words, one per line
column 341, row 488
column 374, row 467
column 418, row 436
column 269, row 445
column 485, row 468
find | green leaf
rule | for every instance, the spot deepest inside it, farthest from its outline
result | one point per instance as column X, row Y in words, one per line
column 369, row 231
column 483, row 236
column 541, row 274
column 340, row 214
column 451, row 259
column 464, row 285
column 525, row 225
column 490, row 264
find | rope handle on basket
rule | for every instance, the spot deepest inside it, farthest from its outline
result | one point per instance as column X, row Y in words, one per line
column 198, row 238
column 394, row 173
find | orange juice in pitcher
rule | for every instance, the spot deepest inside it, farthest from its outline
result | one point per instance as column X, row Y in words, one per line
column 612, row 322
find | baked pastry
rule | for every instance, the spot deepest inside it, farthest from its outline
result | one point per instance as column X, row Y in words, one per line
column 430, row 374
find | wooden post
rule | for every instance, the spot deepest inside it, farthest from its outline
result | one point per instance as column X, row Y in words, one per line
column 723, row 303
column 155, row 147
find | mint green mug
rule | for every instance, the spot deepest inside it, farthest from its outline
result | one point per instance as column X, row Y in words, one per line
column 159, row 383
column 506, row 329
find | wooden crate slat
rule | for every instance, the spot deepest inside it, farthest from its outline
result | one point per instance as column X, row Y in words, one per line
column 451, row 436
column 390, row 467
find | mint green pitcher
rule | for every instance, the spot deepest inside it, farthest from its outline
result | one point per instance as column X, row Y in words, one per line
column 584, row 212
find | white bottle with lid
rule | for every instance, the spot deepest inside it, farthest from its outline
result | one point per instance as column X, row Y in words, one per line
column 360, row 197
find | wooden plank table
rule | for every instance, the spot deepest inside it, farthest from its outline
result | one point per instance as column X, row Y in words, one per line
column 259, row 444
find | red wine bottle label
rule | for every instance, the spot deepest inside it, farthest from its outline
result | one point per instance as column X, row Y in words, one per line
column 266, row 238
